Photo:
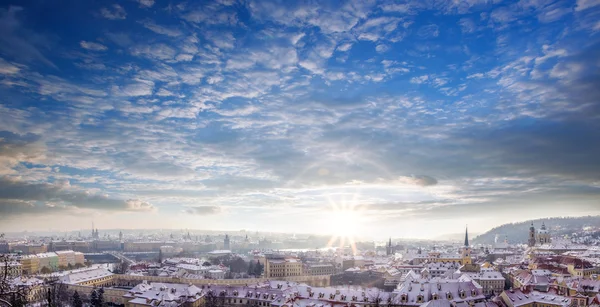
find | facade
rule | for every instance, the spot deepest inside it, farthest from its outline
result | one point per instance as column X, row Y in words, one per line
column 11, row 269
column 80, row 246
column 282, row 267
column 79, row 258
column 62, row 259
column 491, row 282
column 543, row 236
column 49, row 261
column 532, row 240
column 30, row 264
column 30, row 248
column 319, row 269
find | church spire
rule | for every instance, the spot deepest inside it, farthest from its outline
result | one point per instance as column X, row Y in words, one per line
column 466, row 237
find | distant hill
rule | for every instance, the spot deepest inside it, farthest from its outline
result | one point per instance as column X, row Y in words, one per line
column 455, row 237
column 519, row 232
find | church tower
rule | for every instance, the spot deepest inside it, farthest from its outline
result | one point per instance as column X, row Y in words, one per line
column 226, row 243
column 388, row 250
column 466, row 250
column 532, row 240
column 543, row 235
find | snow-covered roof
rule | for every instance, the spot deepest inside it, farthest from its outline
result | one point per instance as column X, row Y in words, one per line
column 85, row 275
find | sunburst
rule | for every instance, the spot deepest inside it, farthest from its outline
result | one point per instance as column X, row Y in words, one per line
column 344, row 222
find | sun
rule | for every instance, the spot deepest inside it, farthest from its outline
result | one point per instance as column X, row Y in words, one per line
column 344, row 222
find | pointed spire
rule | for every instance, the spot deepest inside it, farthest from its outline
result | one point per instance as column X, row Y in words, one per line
column 466, row 236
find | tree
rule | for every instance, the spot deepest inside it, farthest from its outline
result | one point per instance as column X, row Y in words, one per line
column 206, row 263
column 251, row 268
column 100, row 297
column 258, row 268
column 121, row 268
column 45, row 270
column 10, row 294
column 94, row 298
column 57, row 294
column 76, row 300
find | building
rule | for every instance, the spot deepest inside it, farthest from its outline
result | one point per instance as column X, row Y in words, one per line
column 66, row 259
column 532, row 240
column 543, row 236
column 319, row 269
column 491, row 282
column 34, row 289
column 11, row 269
column 90, row 277
column 417, row 292
column 30, row 264
column 279, row 266
column 517, row 298
column 226, row 243
column 48, row 262
column 79, row 258
column 389, row 250
column 30, row 248
column 164, row 294
column 466, row 250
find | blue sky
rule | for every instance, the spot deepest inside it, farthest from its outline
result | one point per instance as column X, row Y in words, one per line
column 397, row 118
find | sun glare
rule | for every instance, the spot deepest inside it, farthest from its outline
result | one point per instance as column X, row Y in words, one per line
column 344, row 223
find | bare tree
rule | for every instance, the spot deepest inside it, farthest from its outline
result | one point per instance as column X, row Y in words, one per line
column 10, row 294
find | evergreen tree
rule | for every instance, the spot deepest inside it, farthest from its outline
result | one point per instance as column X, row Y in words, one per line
column 258, row 268
column 100, row 297
column 250, row 268
column 77, row 300
column 94, row 298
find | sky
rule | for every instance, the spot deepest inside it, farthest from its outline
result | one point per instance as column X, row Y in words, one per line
column 403, row 119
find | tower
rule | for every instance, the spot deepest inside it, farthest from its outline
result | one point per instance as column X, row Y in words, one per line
column 388, row 249
column 543, row 235
column 466, row 250
column 531, row 241
column 120, row 236
column 226, row 242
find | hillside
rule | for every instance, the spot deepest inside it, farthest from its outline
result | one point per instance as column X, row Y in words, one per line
column 518, row 232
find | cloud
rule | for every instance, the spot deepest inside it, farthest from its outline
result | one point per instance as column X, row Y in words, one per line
column 428, row 31
column 92, row 46
column 114, row 12
column 586, row 4
column 15, row 149
column 419, row 80
column 344, row 47
column 20, row 197
column 7, row 68
column 169, row 31
column 146, row 3
column 420, row 180
column 140, row 88
column 20, row 42
column 154, row 51
column 203, row 210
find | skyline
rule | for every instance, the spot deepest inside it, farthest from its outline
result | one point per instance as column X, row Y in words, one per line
column 368, row 118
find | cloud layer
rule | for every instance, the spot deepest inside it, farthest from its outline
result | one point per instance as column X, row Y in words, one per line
column 238, row 114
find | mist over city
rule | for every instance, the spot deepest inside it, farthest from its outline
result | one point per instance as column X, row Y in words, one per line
column 334, row 153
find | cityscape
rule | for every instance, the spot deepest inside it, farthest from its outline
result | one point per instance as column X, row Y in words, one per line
column 300, row 153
